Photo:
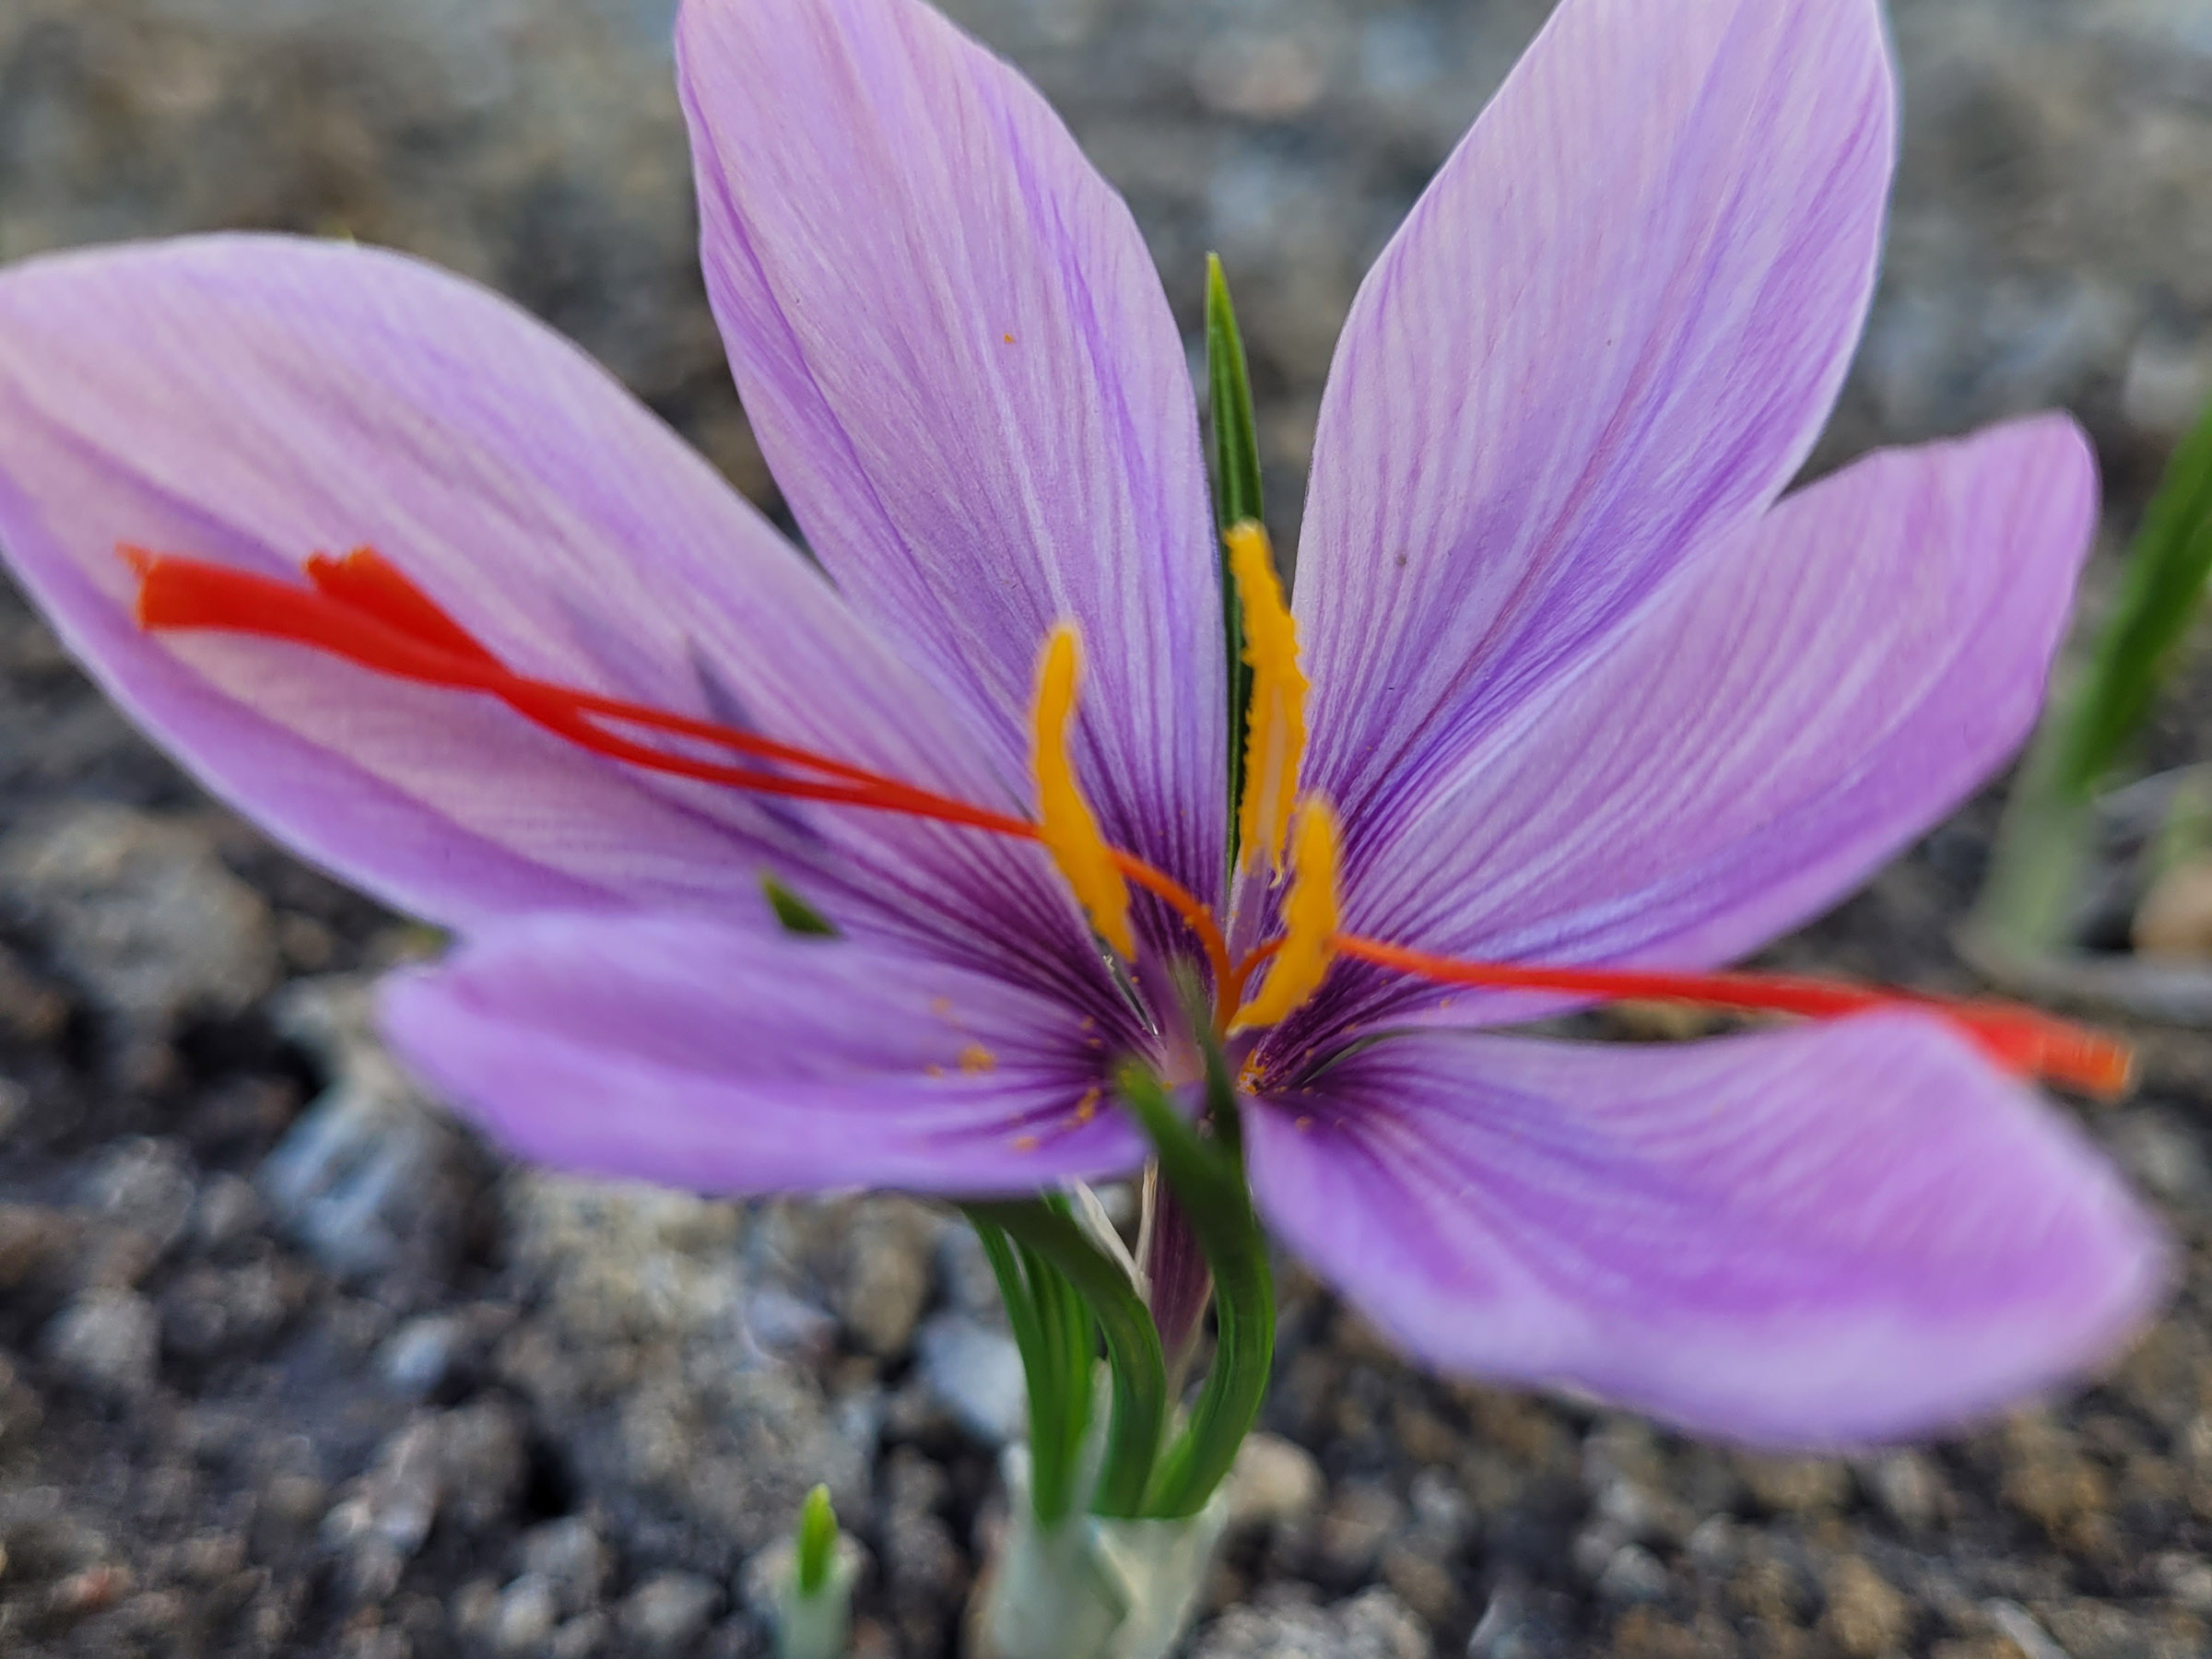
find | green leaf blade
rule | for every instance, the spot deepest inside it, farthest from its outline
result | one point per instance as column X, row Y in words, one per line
column 1232, row 451
column 2166, row 569
column 1208, row 1177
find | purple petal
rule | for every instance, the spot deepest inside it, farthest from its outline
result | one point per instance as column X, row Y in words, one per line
column 957, row 359
column 1819, row 1236
column 252, row 400
column 723, row 1061
column 1812, row 694
column 1610, row 330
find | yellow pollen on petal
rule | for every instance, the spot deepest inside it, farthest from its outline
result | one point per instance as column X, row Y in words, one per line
column 975, row 1059
column 1310, row 916
column 1274, row 733
column 1066, row 825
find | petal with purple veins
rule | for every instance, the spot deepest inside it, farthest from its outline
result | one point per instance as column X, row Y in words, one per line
column 1824, row 1236
column 1807, row 698
column 1610, row 329
column 727, row 1061
column 252, row 400
column 955, row 353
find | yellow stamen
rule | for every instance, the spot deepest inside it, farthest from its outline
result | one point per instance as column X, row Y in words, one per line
column 1310, row 921
column 1065, row 823
column 1274, row 741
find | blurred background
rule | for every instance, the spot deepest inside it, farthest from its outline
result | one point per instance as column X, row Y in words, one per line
column 289, row 1365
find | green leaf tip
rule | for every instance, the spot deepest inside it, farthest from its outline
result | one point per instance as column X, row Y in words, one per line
column 1232, row 432
column 817, row 1542
column 796, row 915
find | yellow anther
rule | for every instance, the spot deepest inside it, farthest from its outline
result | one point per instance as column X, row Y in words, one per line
column 1274, row 741
column 1310, row 916
column 1065, row 823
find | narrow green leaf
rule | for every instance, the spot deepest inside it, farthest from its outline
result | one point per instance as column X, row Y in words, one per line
column 1140, row 1379
column 2167, row 567
column 1207, row 1177
column 817, row 1542
column 2030, row 899
column 1057, row 1340
column 1232, row 449
column 796, row 915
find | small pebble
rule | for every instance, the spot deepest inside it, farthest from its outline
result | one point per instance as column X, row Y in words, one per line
column 1634, row 1574
column 568, row 1554
column 667, row 1612
column 109, row 1342
column 975, row 1372
column 528, row 1615
column 417, row 1359
column 1275, row 1482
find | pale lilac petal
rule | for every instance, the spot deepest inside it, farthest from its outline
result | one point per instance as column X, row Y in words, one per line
column 957, row 355
column 253, row 400
column 1610, row 330
column 725, row 1061
column 1821, row 1236
column 1802, row 702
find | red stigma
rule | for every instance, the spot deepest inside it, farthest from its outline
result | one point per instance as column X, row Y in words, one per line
column 2021, row 1040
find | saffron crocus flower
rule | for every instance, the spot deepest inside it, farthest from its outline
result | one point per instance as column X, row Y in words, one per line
column 1594, row 707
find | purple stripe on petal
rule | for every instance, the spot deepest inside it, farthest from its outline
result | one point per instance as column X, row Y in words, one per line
column 252, row 400
column 725, row 1061
column 1610, row 329
column 955, row 353
column 1809, row 697
column 1823, row 1236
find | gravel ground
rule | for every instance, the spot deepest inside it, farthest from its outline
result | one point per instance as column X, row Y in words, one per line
column 289, row 1364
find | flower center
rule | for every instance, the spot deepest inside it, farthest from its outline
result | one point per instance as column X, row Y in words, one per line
column 361, row 608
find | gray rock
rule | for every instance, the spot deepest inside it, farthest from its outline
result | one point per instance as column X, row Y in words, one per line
column 1274, row 1482
column 642, row 1364
column 1907, row 1486
column 1634, row 1574
column 1503, row 1631
column 107, row 1341
column 148, row 1186
column 467, row 1463
column 228, row 1209
column 670, row 1611
column 568, row 1554
column 584, row 1637
column 1282, row 1625
column 1356, row 1524
column 417, row 1359
column 783, row 1326
column 975, row 1372
column 889, row 1248
column 481, row 1461
column 141, row 913
column 384, row 1517
column 527, row 1618
column 372, row 1175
